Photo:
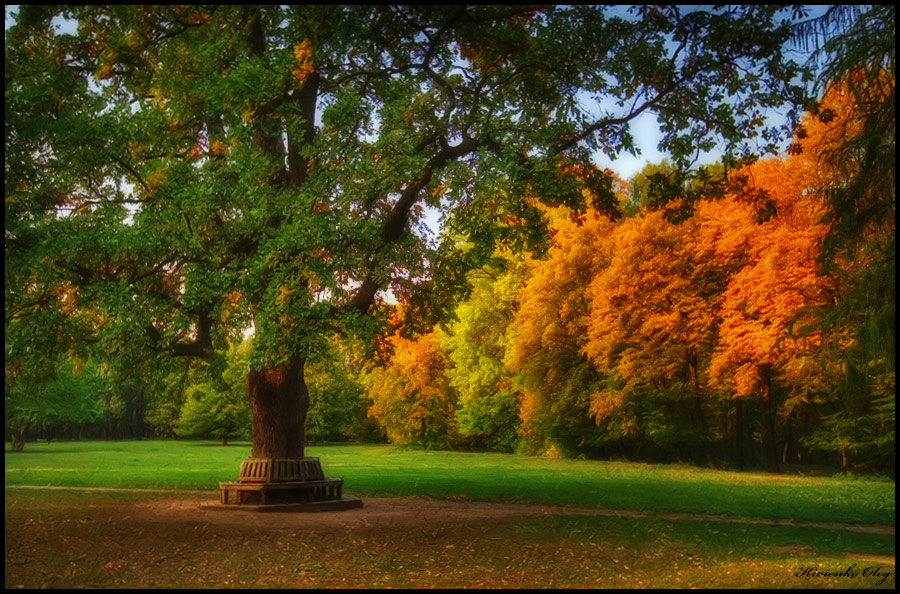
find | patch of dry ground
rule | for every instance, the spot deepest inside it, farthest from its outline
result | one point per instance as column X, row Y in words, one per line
column 105, row 540
column 402, row 513
column 409, row 512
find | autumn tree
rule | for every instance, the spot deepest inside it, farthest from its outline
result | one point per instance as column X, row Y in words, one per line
column 187, row 172
column 411, row 396
column 776, row 294
column 550, row 329
column 651, row 323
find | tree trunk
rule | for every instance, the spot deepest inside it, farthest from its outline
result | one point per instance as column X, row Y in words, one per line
column 739, row 433
column 770, row 448
column 845, row 458
column 699, row 420
column 788, row 444
column 17, row 436
column 279, row 401
column 277, row 473
column 140, row 414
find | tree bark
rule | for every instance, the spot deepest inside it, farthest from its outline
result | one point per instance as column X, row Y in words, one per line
column 17, row 436
column 770, row 448
column 739, row 433
column 279, row 401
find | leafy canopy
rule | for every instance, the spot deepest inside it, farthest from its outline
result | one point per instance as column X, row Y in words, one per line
column 183, row 172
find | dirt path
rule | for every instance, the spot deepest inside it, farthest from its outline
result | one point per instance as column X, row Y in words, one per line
column 400, row 512
column 183, row 539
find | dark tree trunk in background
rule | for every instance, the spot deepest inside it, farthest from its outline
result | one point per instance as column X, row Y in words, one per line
column 770, row 447
column 279, row 401
column 739, row 433
column 17, row 436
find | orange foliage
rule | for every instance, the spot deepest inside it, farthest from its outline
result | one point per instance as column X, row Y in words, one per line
column 648, row 312
column 781, row 286
column 218, row 148
column 303, row 57
column 766, row 300
column 199, row 18
column 552, row 302
column 411, row 396
column 604, row 404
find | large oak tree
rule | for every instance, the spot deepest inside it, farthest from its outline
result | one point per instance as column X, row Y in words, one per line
column 175, row 174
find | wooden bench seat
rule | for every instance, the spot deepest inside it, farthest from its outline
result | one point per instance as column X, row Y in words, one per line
column 240, row 493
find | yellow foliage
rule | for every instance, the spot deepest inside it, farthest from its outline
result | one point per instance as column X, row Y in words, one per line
column 411, row 394
column 303, row 57
column 219, row 148
column 104, row 71
column 603, row 404
column 156, row 179
column 283, row 294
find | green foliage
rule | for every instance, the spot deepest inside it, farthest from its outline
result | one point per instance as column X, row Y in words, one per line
column 563, row 421
column 207, row 412
column 653, row 184
column 862, row 431
column 167, row 394
column 490, row 420
column 671, row 425
column 488, row 408
column 218, row 406
column 72, row 395
column 337, row 410
column 675, row 191
column 146, row 166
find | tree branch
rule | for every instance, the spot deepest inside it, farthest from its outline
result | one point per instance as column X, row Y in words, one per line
column 201, row 346
column 397, row 219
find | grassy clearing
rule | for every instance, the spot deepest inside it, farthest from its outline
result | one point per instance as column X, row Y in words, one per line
column 370, row 470
column 64, row 539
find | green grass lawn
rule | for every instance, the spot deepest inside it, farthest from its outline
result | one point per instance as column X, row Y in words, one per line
column 370, row 470
column 64, row 539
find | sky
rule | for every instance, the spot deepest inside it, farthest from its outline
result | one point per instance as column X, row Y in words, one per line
column 645, row 130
